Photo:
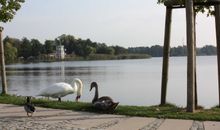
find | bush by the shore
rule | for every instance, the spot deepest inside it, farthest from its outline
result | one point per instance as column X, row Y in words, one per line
column 46, row 58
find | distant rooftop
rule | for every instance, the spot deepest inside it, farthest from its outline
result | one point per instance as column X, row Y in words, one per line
column 174, row 3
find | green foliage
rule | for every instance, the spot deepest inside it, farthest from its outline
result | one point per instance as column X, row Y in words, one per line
column 104, row 49
column 132, row 56
column 10, row 53
column 178, row 51
column 78, row 49
column 25, row 50
column 37, row 47
column 15, row 42
column 162, row 1
column 101, row 57
column 199, row 8
column 154, row 51
column 8, row 9
column 119, row 50
column 117, row 57
column 207, row 50
column 179, row 1
column 49, row 46
column 157, row 51
column 69, row 42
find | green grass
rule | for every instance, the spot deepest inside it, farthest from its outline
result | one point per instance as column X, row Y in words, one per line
column 167, row 111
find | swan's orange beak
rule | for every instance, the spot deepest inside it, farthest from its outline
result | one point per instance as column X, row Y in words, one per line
column 77, row 98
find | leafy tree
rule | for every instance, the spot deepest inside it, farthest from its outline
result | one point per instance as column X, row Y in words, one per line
column 139, row 50
column 119, row 50
column 26, row 48
column 69, row 42
column 104, row 49
column 83, row 48
column 200, row 8
column 178, row 51
column 207, row 50
column 87, row 51
column 87, row 48
column 49, row 46
column 36, row 47
column 156, row 51
column 10, row 53
column 13, row 41
column 8, row 9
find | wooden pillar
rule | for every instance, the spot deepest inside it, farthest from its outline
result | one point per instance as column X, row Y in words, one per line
column 217, row 24
column 190, row 56
column 166, row 53
column 2, row 57
column 196, row 95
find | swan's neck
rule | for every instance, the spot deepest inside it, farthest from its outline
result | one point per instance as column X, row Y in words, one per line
column 96, row 96
column 78, row 87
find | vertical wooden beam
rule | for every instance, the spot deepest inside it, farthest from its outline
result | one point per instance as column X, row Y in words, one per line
column 166, row 53
column 196, row 95
column 190, row 56
column 2, row 57
column 217, row 26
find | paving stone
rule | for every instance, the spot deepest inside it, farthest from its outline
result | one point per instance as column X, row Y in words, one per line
column 172, row 124
column 132, row 123
column 211, row 125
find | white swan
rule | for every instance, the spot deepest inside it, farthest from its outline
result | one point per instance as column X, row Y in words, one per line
column 62, row 89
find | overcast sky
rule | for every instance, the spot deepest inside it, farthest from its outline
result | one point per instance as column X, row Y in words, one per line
column 126, row 23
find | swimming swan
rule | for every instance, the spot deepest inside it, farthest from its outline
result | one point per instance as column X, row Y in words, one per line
column 62, row 89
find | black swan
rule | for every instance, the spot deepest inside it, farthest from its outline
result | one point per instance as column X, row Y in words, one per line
column 104, row 103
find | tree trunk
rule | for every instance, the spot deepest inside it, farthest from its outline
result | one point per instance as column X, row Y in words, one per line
column 217, row 26
column 191, row 56
column 166, row 53
column 3, row 72
column 196, row 95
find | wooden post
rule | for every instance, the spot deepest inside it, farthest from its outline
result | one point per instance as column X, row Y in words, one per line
column 166, row 53
column 196, row 95
column 191, row 56
column 2, row 57
column 217, row 26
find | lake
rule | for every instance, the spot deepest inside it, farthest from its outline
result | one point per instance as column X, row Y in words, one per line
column 131, row 82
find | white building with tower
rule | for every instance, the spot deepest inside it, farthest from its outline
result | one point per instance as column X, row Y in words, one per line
column 60, row 53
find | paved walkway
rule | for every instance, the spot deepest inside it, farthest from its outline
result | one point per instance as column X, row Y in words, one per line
column 14, row 118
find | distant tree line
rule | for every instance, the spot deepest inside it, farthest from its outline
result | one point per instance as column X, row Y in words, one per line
column 157, row 50
column 33, row 49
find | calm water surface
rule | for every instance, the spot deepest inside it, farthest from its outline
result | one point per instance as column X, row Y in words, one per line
column 131, row 82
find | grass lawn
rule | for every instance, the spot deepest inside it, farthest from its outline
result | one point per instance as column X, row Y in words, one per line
column 167, row 111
